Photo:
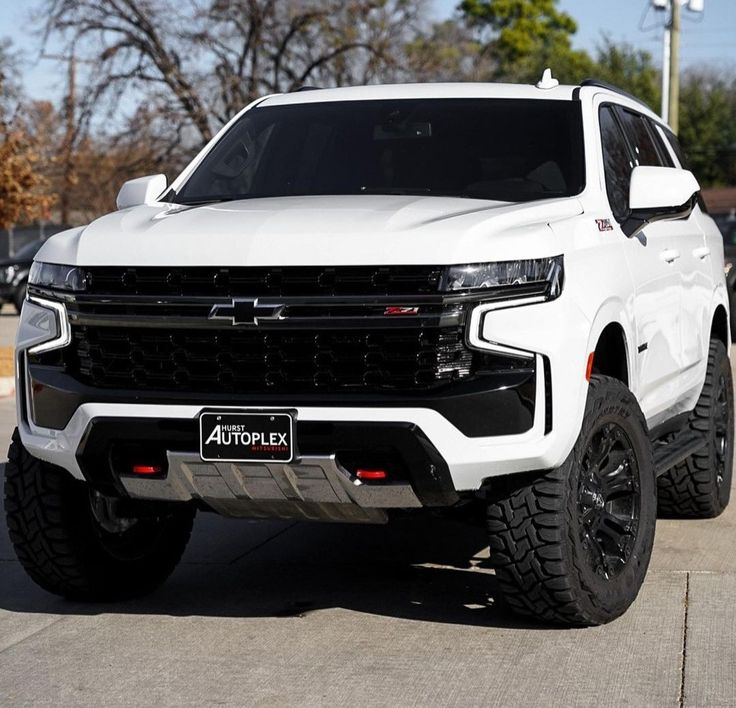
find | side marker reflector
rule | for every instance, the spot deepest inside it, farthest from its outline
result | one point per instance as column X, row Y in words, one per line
column 589, row 368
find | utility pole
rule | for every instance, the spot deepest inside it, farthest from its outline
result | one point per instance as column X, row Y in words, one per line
column 674, row 68
column 70, row 118
column 666, row 54
column 671, row 55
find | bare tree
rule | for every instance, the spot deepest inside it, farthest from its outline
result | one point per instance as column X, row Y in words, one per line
column 197, row 62
column 449, row 52
column 9, row 81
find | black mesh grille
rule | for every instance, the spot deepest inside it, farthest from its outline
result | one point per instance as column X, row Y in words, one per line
column 137, row 329
column 241, row 361
column 302, row 281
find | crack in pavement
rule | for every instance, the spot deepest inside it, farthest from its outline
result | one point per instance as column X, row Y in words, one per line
column 683, row 662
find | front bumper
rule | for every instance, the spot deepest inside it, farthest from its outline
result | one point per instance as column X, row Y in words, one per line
column 500, row 403
column 469, row 461
column 323, row 472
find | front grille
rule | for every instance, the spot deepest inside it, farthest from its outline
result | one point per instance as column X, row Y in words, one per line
column 149, row 328
column 247, row 361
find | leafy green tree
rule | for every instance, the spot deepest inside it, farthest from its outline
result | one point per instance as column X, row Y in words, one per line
column 708, row 126
column 523, row 37
column 630, row 69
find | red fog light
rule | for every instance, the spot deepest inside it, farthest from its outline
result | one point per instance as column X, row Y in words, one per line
column 371, row 474
column 146, row 469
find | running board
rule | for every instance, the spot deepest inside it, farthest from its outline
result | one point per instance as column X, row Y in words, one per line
column 684, row 444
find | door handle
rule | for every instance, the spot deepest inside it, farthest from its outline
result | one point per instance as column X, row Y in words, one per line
column 702, row 252
column 669, row 255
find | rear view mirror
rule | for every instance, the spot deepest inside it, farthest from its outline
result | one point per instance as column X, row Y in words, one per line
column 143, row 190
column 657, row 194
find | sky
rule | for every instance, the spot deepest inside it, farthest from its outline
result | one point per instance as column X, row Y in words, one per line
column 707, row 38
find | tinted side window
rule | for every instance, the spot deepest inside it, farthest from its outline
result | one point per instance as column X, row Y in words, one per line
column 684, row 163
column 616, row 162
column 641, row 140
column 677, row 148
column 667, row 160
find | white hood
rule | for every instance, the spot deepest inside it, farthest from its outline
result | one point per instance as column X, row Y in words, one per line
column 319, row 230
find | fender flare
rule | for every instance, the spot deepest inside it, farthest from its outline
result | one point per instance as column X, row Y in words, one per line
column 720, row 299
column 613, row 311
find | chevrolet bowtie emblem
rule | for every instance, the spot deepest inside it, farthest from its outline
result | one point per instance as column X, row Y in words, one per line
column 246, row 311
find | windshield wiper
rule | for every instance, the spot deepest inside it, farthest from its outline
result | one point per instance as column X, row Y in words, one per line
column 198, row 201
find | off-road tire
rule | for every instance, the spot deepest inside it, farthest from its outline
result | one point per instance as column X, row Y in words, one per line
column 63, row 547
column 537, row 532
column 699, row 488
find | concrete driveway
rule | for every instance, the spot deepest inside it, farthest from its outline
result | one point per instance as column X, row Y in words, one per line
column 277, row 614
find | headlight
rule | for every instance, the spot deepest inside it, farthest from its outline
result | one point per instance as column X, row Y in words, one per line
column 538, row 276
column 10, row 272
column 43, row 326
column 57, row 277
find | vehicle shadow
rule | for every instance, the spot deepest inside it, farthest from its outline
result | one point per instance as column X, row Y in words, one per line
column 423, row 569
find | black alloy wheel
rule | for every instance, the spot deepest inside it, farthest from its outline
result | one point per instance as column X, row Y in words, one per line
column 608, row 500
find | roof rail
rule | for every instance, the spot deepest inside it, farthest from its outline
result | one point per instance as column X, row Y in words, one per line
column 306, row 88
column 611, row 87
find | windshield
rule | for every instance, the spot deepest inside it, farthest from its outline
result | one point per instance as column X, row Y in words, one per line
column 505, row 150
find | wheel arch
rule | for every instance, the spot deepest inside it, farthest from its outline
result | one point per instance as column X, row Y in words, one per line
column 611, row 342
column 610, row 355
column 719, row 328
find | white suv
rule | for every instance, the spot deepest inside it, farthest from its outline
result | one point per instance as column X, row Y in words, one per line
column 362, row 300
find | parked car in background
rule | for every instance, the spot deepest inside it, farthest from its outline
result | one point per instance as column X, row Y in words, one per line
column 14, row 274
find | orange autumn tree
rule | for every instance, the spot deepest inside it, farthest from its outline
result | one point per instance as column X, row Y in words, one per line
column 22, row 196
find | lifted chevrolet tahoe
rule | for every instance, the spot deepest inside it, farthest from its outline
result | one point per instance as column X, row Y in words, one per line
column 363, row 300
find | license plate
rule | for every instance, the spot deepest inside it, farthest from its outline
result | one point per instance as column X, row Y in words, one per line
column 246, row 437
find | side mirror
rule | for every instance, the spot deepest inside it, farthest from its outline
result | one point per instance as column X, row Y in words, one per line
column 143, row 190
column 658, row 194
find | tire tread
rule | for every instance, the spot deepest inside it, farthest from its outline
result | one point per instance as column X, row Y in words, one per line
column 530, row 527
column 689, row 490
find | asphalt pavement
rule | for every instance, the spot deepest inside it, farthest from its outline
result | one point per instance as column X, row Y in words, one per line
column 280, row 614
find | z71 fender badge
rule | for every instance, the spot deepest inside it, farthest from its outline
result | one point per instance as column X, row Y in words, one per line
column 604, row 224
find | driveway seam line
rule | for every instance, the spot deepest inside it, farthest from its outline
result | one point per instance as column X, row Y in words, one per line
column 683, row 661
column 30, row 636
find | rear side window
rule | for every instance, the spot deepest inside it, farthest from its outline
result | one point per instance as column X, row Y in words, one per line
column 656, row 132
column 642, row 140
column 617, row 163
